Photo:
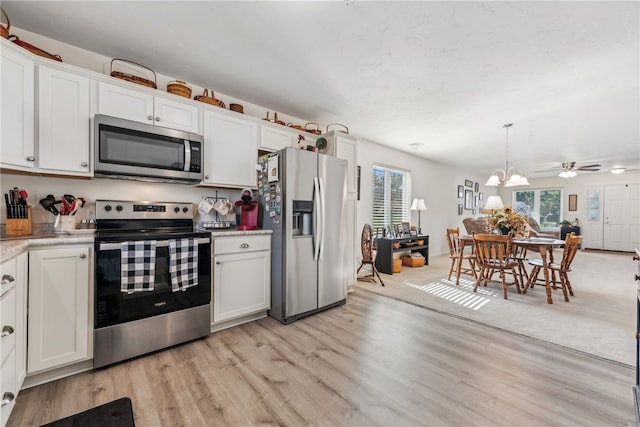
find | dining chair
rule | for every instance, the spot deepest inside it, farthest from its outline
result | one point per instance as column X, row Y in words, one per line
column 571, row 246
column 493, row 255
column 369, row 252
column 457, row 256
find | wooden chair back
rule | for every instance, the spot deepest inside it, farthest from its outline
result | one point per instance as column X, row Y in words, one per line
column 571, row 246
column 453, row 242
column 492, row 249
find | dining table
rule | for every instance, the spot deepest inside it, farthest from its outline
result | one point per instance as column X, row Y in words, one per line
column 544, row 246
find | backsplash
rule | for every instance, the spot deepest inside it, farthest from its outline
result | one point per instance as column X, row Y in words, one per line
column 38, row 187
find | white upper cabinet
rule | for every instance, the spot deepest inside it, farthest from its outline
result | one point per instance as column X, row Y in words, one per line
column 230, row 150
column 275, row 139
column 63, row 122
column 17, row 149
column 118, row 101
column 343, row 146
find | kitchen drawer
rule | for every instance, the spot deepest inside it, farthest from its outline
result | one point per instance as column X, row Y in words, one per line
column 8, row 275
column 236, row 244
column 8, row 387
column 8, row 325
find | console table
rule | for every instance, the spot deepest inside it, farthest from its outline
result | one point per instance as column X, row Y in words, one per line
column 385, row 250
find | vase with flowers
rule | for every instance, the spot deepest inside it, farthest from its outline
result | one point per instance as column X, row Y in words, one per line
column 506, row 222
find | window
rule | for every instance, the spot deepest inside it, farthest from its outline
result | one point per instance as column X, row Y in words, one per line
column 391, row 196
column 545, row 205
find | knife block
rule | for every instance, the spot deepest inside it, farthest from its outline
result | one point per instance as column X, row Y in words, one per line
column 17, row 227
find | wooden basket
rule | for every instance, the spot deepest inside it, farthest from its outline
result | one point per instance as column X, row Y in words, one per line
column 180, row 88
column 209, row 100
column 132, row 78
column 346, row 129
column 4, row 31
column 315, row 131
column 412, row 261
column 35, row 50
column 237, row 108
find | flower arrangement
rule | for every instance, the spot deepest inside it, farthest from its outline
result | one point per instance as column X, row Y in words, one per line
column 507, row 221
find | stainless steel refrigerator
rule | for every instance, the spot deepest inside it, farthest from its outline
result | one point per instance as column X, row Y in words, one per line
column 303, row 195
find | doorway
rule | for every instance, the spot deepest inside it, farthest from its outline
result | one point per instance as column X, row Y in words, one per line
column 621, row 214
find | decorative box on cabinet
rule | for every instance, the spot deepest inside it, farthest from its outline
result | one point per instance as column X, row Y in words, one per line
column 140, row 106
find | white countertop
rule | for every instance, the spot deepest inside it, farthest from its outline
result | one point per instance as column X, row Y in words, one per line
column 10, row 247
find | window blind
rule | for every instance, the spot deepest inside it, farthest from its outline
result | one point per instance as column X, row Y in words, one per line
column 391, row 197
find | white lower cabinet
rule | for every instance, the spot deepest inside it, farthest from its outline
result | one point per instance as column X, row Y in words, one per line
column 241, row 277
column 59, row 307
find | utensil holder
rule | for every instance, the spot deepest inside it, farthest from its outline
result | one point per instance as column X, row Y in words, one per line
column 17, row 227
column 66, row 223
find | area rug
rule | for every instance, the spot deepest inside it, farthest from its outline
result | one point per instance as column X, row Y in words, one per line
column 599, row 320
column 118, row 413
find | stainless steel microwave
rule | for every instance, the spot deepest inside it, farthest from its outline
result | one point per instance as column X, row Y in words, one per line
column 128, row 149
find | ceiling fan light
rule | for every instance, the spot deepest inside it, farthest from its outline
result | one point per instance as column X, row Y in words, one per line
column 617, row 171
column 524, row 180
column 563, row 174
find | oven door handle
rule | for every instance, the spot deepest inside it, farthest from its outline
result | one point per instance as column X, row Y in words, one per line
column 159, row 244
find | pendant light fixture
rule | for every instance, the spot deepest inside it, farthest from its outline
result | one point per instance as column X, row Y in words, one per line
column 510, row 177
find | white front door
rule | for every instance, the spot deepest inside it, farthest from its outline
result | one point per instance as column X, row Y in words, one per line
column 621, row 230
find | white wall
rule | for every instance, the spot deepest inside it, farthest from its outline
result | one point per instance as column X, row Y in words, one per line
column 434, row 182
column 579, row 185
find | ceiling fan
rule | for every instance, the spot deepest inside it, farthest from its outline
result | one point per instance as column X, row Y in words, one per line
column 569, row 169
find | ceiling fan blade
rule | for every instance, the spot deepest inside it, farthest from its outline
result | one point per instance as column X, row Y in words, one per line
column 547, row 170
column 587, row 170
column 588, row 167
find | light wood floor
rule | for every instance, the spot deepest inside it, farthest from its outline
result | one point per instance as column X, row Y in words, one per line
column 373, row 362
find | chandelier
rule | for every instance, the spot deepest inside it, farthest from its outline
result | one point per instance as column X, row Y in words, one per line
column 509, row 176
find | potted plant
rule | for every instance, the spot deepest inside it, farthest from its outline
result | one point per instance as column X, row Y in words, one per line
column 565, row 223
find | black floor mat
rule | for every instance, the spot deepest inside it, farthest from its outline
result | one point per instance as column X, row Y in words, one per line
column 118, row 413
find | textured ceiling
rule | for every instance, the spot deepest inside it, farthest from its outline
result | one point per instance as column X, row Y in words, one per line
column 445, row 74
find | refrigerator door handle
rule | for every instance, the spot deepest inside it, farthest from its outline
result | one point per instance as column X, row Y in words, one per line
column 322, row 217
column 316, row 219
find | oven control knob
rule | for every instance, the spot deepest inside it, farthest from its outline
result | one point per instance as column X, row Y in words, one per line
column 119, row 208
column 176, row 209
column 107, row 208
column 185, row 209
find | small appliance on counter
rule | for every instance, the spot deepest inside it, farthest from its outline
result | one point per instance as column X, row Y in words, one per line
column 248, row 211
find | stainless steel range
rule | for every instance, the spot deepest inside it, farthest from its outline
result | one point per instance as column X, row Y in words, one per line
column 152, row 278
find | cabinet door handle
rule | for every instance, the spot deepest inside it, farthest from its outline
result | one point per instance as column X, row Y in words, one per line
column 217, row 262
column 83, row 256
column 149, row 117
column 6, row 331
column 31, row 159
column 157, row 119
column 206, row 177
column 6, row 278
column 7, row 398
column 244, row 245
column 84, row 164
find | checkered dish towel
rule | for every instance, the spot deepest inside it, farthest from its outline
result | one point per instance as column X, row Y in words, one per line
column 138, row 265
column 183, row 263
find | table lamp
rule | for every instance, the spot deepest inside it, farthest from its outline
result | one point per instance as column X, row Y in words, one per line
column 493, row 202
column 418, row 205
